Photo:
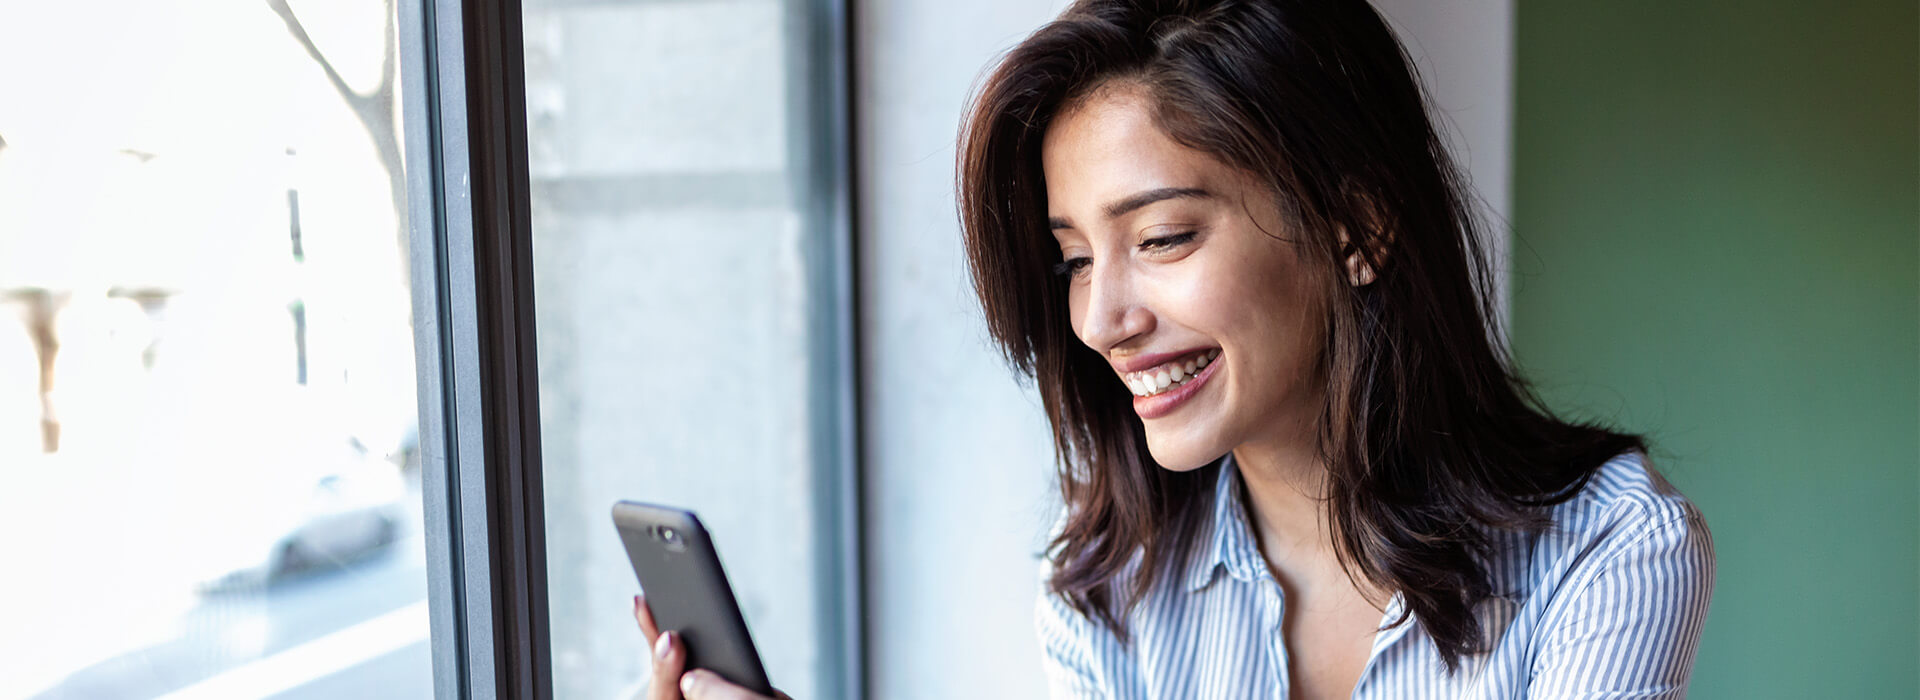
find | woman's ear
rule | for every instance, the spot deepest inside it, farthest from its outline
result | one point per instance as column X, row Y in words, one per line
column 1360, row 272
column 1373, row 250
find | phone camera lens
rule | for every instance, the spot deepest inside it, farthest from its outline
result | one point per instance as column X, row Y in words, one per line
column 669, row 537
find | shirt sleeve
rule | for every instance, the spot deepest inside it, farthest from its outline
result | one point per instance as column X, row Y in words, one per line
column 1067, row 638
column 1632, row 627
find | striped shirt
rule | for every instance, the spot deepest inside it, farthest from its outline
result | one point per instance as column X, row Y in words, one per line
column 1608, row 603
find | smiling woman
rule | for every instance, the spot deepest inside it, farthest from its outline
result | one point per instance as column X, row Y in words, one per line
column 1257, row 333
column 1191, row 265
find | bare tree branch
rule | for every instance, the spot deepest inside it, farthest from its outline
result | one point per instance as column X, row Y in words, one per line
column 299, row 31
column 374, row 109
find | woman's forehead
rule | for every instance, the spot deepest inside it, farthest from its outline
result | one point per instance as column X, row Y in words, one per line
column 1107, row 147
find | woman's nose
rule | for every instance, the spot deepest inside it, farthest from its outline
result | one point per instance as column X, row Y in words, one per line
column 1112, row 311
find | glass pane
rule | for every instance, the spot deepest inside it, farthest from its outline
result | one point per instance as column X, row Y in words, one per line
column 674, row 269
column 207, row 398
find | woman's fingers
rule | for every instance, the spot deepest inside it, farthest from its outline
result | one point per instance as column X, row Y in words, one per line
column 669, row 665
column 644, row 615
column 669, row 659
column 707, row 685
column 666, row 662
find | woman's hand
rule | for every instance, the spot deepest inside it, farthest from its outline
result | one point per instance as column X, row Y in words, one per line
column 670, row 660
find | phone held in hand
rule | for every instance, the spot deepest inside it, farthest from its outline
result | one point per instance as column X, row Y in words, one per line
column 679, row 572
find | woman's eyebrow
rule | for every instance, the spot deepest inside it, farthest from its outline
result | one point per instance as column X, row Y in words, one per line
column 1121, row 207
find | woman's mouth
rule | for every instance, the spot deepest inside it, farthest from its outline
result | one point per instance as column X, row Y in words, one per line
column 1159, row 390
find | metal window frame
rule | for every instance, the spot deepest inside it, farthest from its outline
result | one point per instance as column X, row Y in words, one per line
column 820, row 57
column 463, row 94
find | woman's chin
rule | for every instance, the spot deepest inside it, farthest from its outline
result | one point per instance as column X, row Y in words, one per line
column 1180, row 455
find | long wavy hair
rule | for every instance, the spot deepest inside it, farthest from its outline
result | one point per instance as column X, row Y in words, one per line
column 1433, row 443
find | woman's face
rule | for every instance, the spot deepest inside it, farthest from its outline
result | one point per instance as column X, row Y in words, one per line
column 1184, row 278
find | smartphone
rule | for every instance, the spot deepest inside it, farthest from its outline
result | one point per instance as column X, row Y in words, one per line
column 679, row 572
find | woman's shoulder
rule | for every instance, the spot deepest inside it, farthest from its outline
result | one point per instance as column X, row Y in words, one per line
column 1055, row 610
column 1622, row 583
column 1064, row 622
column 1627, row 516
column 1079, row 652
column 1627, row 491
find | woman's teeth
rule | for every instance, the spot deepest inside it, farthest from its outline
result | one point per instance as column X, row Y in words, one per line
column 1160, row 379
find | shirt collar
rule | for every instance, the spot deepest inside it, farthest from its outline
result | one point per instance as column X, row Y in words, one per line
column 1229, row 542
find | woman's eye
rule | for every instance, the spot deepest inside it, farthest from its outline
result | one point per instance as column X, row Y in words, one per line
column 1071, row 267
column 1165, row 242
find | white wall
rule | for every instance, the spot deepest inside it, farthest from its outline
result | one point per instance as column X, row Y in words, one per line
column 959, row 465
column 1464, row 51
column 959, row 462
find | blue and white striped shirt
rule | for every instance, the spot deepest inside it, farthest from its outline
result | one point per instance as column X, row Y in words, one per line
column 1607, row 604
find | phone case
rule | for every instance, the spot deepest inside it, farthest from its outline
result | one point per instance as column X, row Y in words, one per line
column 688, row 592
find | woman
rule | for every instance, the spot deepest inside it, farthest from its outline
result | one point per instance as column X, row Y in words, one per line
column 1225, row 242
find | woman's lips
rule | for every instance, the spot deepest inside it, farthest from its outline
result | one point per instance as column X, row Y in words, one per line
column 1157, row 405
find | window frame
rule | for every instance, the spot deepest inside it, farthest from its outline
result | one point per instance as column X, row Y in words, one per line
column 473, row 321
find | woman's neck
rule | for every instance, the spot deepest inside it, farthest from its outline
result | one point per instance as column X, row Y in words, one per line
column 1286, row 488
column 1285, row 485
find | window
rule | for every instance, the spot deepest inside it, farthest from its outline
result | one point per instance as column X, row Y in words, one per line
column 207, row 393
column 269, row 400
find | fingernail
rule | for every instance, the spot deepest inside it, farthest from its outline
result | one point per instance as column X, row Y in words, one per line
column 636, row 605
column 664, row 645
column 686, row 683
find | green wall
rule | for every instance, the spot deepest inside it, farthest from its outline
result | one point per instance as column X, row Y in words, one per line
column 1717, row 205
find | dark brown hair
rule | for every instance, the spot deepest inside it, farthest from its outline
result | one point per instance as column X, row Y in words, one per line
column 1433, row 443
